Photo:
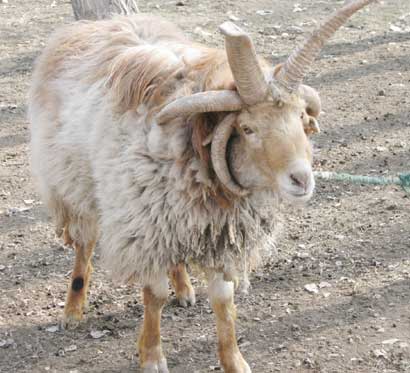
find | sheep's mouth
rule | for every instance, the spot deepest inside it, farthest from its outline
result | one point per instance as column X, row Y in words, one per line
column 294, row 192
column 294, row 196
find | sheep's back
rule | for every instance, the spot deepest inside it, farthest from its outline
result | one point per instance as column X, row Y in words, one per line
column 88, row 71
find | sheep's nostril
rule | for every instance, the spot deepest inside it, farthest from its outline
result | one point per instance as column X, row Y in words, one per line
column 299, row 180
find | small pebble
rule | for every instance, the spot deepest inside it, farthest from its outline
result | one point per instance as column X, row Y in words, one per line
column 53, row 329
column 70, row 348
column 96, row 334
column 390, row 341
column 6, row 343
column 380, row 353
column 311, row 288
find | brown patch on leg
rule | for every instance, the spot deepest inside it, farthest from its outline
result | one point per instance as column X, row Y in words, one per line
column 180, row 281
column 229, row 354
column 149, row 342
column 78, row 286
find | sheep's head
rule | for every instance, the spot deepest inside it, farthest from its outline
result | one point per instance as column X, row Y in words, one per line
column 271, row 150
column 273, row 112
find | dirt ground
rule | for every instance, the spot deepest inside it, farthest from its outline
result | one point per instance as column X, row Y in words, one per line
column 351, row 241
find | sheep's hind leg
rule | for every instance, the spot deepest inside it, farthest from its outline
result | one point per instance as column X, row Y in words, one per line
column 221, row 297
column 78, row 286
column 184, row 291
column 151, row 357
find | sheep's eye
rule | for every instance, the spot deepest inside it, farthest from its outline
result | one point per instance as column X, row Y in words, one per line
column 302, row 115
column 247, row 130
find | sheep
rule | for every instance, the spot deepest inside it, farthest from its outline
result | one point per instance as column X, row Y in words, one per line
column 171, row 153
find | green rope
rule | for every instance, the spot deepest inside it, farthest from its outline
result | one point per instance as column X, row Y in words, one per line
column 402, row 180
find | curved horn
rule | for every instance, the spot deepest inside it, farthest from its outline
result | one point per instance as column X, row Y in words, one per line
column 299, row 62
column 203, row 102
column 218, row 155
column 313, row 103
column 247, row 73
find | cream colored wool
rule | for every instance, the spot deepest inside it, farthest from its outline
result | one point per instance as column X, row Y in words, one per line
column 106, row 169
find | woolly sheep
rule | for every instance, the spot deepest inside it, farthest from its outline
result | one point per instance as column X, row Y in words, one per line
column 170, row 153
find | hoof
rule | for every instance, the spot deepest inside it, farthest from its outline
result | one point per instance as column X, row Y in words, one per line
column 155, row 367
column 186, row 297
column 246, row 368
column 71, row 321
column 237, row 365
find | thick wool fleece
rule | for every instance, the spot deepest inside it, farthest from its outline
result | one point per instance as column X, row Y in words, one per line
column 155, row 212
column 107, row 170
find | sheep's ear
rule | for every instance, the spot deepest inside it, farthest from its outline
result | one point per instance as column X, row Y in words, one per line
column 312, row 99
column 310, row 124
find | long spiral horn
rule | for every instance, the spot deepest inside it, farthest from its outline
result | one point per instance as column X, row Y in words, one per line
column 247, row 73
column 203, row 102
column 299, row 62
column 218, row 155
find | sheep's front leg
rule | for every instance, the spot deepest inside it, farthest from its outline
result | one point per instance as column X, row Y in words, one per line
column 78, row 286
column 221, row 296
column 152, row 359
column 184, row 291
